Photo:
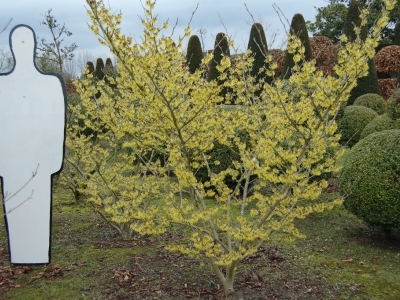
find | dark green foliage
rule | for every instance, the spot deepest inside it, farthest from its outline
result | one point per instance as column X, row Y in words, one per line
column 194, row 54
column 353, row 19
column 380, row 123
column 370, row 179
column 90, row 67
column 297, row 27
column 396, row 39
column 259, row 49
column 221, row 49
column 109, row 71
column 225, row 156
column 372, row 101
column 398, row 80
column 109, row 63
column 393, row 105
column 366, row 85
column 352, row 123
column 99, row 73
column 329, row 21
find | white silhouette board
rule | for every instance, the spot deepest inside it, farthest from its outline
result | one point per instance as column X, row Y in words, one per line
column 32, row 135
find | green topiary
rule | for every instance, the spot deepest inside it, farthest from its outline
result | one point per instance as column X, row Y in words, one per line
column 380, row 123
column 297, row 27
column 194, row 54
column 372, row 101
column 221, row 49
column 398, row 80
column 370, row 179
column 352, row 123
column 353, row 20
column 225, row 156
column 90, row 67
column 393, row 105
column 396, row 39
column 259, row 49
column 99, row 74
column 366, row 85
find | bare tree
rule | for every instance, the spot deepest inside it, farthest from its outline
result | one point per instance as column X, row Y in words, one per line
column 53, row 52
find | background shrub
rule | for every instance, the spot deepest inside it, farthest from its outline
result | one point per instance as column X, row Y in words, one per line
column 298, row 28
column 393, row 105
column 380, row 123
column 370, row 179
column 372, row 101
column 352, row 123
column 194, row 54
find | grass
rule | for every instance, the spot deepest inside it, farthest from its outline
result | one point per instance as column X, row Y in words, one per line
column 341, row 258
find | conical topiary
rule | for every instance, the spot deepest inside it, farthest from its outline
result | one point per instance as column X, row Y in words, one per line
column 259, row 49
column 366, row 85
column 298, row 28
column 369, row 83
column 353, row 19
column 398, row 80
column 194, row 54
column 90, row 67
column 221, row 49
column 396, row 39
column 99, row 69
column 109, row 63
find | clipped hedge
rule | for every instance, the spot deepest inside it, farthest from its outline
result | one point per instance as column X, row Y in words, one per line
column 380, row 123
column 393, row 105
column 352, row 123
column 372, row 101
column 370, row 179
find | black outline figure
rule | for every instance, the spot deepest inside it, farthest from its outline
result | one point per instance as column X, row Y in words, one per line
column 32, row 137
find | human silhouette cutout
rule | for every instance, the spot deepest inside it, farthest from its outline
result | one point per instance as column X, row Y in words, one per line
column 32, row 136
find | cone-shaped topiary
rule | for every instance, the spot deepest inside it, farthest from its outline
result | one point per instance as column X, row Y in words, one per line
column 396, row 39
column 398, row 80
column 297, row 27
column 90, row 67
column 99, row 69
column 352, row 123
column 221, row 49
column 370, row 179
column 259, row 49
column 353, row 20
column 380, row 123
column 109, row 72
column 366, row 85
column 109, row 63
column 369, row 83
column 393, row 105
column 194, row 54
column 372, row 101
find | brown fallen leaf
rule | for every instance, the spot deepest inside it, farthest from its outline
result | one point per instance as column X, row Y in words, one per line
column 349, row 260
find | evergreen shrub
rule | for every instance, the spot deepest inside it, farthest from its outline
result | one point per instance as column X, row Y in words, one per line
column 380, row 123
column 393, row 105
column 372, row 101
column 352, row 123
column 370, row 179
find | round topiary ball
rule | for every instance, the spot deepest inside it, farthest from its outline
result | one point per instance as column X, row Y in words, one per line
column 380, row 123
column 393, row 105
column 370, row 179
column 372, row 101
column 352, row 123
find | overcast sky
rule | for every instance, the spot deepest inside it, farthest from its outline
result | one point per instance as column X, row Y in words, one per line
column 209, row 15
